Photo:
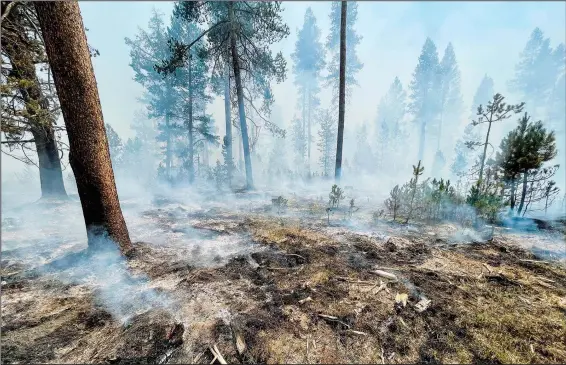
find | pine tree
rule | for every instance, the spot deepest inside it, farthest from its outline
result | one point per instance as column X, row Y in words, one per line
column 327, row 141
column 537, row 70
column 353, row 64
column 524, row 149
column 299, row 145
column 424, row 101
column 115, row 145
column 29, row 111
column 363, row 156
column 390, row 131
column 192, row 80
column 450, row 96
column 247, row 30
column 68, row 53
column 308, row 59
column 161, row 96
column 495, row 111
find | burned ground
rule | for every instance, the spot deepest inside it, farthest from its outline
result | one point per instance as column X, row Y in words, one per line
column 301, row 292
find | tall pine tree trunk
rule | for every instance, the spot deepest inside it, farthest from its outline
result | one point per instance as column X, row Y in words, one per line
column 228, row 123
column 309, row 133
column 482, row 162
column 523, row 193
column 50, row 172
column 240, row 95
column 168, row 149
column 67, row 50
column 190, row 127
column 37, row 107
column 341, row 94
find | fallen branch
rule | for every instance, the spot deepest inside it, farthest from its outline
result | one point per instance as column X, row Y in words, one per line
column 357, row 332
column 217, row 355
column 487, row 267
column 334, row 319
column 307, row 299
column 385, row 274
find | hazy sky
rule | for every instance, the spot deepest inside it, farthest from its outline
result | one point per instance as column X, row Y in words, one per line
column 487, row 37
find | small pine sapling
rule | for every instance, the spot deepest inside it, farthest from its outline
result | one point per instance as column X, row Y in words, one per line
column 280, row 204
column 417, row 171
column 352, row 208
column 393, row 203
column 336, row 194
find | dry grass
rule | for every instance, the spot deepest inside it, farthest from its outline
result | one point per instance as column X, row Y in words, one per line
column 312, row 299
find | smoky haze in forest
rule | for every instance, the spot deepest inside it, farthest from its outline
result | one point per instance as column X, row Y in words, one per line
column 416, row 73
column 391, row 37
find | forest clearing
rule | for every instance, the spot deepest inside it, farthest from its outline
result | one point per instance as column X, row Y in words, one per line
column 296, row 230
column 259, row 286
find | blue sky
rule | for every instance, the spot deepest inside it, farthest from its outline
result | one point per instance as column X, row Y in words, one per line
column 487, row 36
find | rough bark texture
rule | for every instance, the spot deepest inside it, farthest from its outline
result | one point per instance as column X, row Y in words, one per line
column 341, row 94
column 66, row 45
column 37, row 107
column 191, row 136
column 228, row 124
column 523, row 193
column 241, row 109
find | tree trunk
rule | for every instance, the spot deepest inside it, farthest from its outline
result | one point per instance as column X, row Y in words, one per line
column 67, row 50
column 482, row 163
column 241, row 109
column 50, row 172
column 523, row 193
column 191, row 136
column 168, row 150
column 422, row 140
column 309, row 133
column 341, row 94
column 228, row 124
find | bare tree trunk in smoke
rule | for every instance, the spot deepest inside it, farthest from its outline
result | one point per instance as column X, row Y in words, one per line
column 241, row 109
column 190, row 127
column 228, row 124
column 16, row 45
column 67, row 50
column 342, row 93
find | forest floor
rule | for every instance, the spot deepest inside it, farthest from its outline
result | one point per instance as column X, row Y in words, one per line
column 246, row 285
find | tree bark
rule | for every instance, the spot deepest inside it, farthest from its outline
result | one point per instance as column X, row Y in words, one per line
column 168, row 151
column 191, row 136
column 482, row 164
column 67, row 50
column 240, row 95
column 341, row 94
column 227, row 113
column 523, row 193
column 36, row 104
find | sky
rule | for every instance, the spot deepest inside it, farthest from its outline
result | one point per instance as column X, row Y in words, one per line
column 487, row 37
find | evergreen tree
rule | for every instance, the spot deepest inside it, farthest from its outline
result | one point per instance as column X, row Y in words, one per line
column 69, row 56
column 308, row 59
column 495, row 111
column 450, row 96
column 192, row 81
column 537, row 70
column 161, row 95
column 29, row 110
column 390, row 131
column 327, row 142
column 247, row 30
column 353, row 64
column 424, row 101
column 300, row 145
column 524, row 150
column 363, row 156
column 115, row 144
column 472, row 134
